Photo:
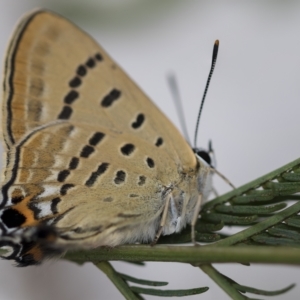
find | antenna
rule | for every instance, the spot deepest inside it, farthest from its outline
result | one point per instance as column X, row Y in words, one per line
column 205, row 155
column 213, row 63
column 178, row 103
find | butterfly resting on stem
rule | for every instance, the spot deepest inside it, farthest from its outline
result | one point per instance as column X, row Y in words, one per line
column 90, row 160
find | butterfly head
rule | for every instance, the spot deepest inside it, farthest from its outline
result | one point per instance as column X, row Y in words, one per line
column 207, row 155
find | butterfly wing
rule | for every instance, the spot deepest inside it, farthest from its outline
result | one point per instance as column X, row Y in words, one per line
column 87, row 151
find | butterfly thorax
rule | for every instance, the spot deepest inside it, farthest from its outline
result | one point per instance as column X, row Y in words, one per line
column 185, row 194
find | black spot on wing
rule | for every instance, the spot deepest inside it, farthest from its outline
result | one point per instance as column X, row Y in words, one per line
column 139, row 121
column 75, row 82
column 99, row 57
column 142, row 180
column 120, row 177
column 17, row 199
column 65, row 113
column 62, row 175
column 86, row 151
column 159, row 142
column 73, row 163
column 111, row 97
column 54, row 203
column 150, row 162
column 12, row 218
column 91, row 63
column 101, row 170
column 96, row 138
column 127, row 149
column 81, row 71
column 71, row 97
column 65, row 188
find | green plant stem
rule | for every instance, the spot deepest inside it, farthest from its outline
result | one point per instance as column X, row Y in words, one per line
column 220, row 280
column 190, row 254
column 116, row 279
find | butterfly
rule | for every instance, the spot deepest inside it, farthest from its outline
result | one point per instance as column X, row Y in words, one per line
column 90, row 160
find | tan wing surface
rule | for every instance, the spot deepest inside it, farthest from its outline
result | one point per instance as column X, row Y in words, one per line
column 55, row 71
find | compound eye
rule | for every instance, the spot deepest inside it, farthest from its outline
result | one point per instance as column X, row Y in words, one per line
column 205, row 156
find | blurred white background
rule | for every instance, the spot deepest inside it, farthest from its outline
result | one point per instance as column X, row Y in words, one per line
column 251, row 114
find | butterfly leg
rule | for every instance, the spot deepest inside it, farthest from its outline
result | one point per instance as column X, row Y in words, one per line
column 195, row 218
column 162, row 221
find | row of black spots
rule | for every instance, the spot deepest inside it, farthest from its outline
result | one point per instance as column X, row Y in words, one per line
column 12, row 218
column 74, row 83
column 120, row 177
column 127, row 149
column 82, row 70
column 110, row 98
column 73, row 164
column 140, row 118
column 95, row 175
column 87, row 150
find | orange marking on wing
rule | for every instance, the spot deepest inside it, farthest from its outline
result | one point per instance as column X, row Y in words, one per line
column 23, row 208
